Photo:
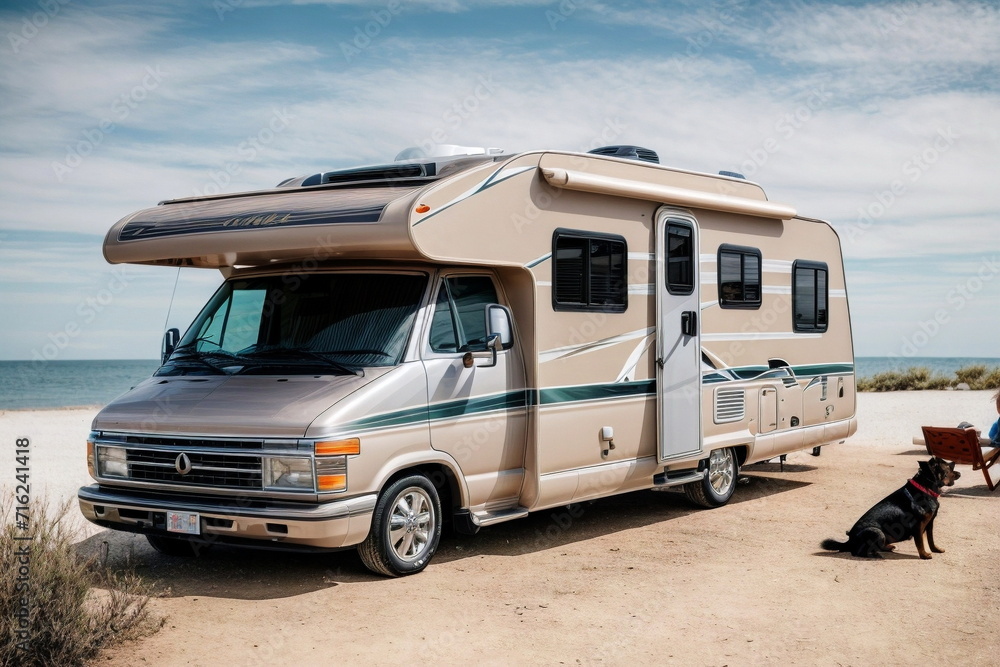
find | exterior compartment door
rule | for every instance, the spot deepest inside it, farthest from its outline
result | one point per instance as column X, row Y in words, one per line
column 678, row 338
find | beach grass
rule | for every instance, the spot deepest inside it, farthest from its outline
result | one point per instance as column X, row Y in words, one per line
column 975, row 377
column 56, row 606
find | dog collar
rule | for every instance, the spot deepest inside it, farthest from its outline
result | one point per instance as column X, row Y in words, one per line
column 927, row 491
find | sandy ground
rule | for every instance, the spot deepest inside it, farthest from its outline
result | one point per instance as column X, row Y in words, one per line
column 640, row 577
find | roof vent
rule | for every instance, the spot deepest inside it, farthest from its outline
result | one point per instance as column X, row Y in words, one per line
column 733, row 174
column 628, row 153
column 444, row 150
column 374, row 173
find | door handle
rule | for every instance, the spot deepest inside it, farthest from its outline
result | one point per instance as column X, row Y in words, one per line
column 689, row 323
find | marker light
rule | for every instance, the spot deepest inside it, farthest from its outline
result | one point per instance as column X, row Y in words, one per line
column 338, row 447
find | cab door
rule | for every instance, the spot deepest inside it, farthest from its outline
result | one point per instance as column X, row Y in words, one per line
column 477, row 411
column 678, row 338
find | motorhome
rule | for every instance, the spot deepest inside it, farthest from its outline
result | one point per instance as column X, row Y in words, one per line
column 466, row 338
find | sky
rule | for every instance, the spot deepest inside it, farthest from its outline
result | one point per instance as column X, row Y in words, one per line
column 882, row 118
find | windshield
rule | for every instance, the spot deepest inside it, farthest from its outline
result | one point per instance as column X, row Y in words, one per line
column 339, row 322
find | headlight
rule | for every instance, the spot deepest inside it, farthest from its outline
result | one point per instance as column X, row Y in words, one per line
column 111, row 462
column 289, row 473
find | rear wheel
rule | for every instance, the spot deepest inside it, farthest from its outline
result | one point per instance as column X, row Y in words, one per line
column 172, row 546
column 716, row 488
column 406, row 528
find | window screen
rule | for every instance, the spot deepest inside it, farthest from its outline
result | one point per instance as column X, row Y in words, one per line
column 739, row 277
column 589, row 272
column 810, row 294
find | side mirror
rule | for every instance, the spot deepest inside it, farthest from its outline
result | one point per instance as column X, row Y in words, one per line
column 500, row 322
column 499, row 336
column 170, row 340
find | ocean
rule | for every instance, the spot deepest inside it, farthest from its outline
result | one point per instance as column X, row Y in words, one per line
column 866, row 367
column 26, row 385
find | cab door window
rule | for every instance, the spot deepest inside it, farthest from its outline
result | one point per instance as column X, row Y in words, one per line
column 459, row 322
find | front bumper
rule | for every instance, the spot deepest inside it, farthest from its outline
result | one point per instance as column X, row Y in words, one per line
column 332, row 525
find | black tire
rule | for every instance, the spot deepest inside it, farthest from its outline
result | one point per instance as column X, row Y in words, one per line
column 413, row 504
column 172, row 546
column 719, row 483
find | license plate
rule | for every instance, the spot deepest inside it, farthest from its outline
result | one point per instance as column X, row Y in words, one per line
column 184, row 522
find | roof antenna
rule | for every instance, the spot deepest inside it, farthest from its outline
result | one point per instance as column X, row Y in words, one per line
column 171, row 305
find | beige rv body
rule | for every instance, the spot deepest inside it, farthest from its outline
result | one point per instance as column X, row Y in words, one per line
column 579, row 407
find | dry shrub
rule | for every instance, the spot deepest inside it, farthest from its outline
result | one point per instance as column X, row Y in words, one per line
column 68, row 621
column 910, row 379
column 976, row 377
column 970, row 375
column 990, row 380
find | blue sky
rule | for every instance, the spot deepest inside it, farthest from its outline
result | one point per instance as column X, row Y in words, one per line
column 881, row 117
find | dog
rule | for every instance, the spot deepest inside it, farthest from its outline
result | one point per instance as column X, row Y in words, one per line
column 908, row 512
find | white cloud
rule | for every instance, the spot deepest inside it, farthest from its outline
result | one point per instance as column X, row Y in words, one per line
column 811, row 103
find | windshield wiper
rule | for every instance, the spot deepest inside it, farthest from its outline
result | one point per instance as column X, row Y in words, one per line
column 293, row 352
column 195, row 356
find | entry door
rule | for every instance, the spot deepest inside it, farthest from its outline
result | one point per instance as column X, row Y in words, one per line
column 678, row 340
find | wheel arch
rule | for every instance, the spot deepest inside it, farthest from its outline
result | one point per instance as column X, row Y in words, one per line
column 443, row 477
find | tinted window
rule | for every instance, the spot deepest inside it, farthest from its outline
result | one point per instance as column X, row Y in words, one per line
column 680, row 259
column 459, row 323
column 300, row 320
column 739, row 270
column 810, row 295
column 589, row 272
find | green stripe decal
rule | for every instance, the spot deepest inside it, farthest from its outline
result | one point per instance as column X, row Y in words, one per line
column 513, row 400
column 596, row 392
column 446, row 410
column 822, row 369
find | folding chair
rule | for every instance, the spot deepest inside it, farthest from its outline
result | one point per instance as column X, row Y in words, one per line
column 961, row 445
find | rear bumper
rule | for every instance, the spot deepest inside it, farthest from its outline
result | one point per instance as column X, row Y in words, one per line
column 332, row 525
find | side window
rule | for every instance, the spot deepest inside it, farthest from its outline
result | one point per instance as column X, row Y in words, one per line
column 810, row 295
column 236, row 325
column 589, row 271
column 739, row 276
column 459, row 322
column 680, row 259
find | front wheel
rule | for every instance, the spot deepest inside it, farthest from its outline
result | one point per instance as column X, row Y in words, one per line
column 406, row 528
column 716, row 488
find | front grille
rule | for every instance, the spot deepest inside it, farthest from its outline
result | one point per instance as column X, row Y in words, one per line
column 203, row 443
column 218, row 470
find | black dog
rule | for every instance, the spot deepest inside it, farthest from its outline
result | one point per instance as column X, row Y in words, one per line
column 908, row 512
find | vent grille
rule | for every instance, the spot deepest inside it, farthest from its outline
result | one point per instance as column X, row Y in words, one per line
column 730, row 405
